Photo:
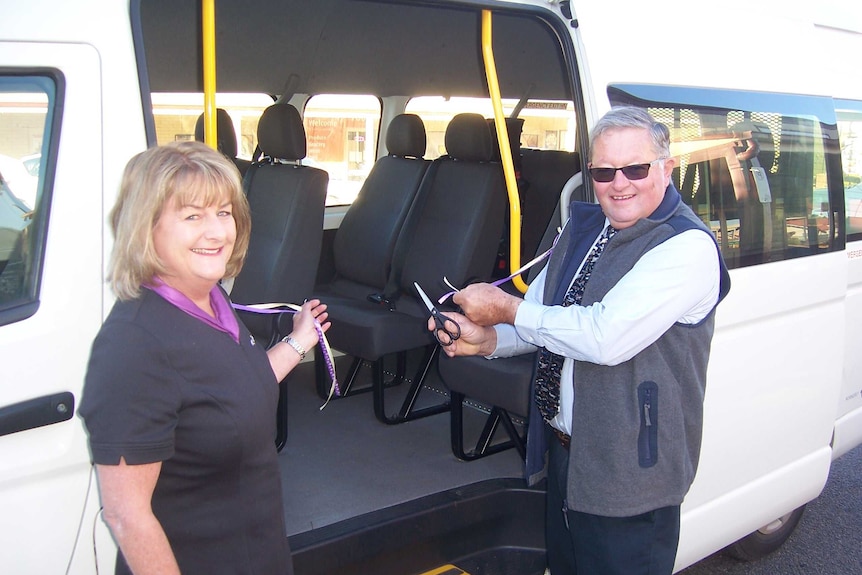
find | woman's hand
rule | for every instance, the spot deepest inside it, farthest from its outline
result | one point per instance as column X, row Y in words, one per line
column 283, row 357
column 304, row 331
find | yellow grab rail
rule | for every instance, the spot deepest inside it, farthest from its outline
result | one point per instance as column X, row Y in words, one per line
column 209, row 72
column 505, row 152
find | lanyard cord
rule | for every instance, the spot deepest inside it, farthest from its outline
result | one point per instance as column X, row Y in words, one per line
column 271, row 308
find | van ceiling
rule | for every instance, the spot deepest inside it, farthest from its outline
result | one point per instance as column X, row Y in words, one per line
column 351, row 46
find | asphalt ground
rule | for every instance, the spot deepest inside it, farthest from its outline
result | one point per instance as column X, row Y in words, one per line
column 827, row 541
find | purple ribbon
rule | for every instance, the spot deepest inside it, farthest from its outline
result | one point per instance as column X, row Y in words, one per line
column 273, row 308
column 500, row 282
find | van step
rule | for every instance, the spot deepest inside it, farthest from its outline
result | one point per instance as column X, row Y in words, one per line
column 494, row 527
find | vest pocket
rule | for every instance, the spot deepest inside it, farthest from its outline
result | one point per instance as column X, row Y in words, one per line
column 648, row 436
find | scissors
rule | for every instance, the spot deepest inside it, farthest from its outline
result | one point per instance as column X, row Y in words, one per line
column 447, row 337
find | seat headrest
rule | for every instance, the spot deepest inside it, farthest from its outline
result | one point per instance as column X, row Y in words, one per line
column 469, row 138
column 406, row 136
column 280, row 133
column 514, row 127
column 226, row 139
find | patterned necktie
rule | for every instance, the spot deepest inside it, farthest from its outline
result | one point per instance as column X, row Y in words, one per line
column 550, row 364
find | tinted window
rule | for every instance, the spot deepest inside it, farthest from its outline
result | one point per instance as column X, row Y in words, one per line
column 26, row 116
column 759, row 169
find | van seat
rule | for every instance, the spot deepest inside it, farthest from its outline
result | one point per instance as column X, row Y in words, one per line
column 452, row 230
column 364, row 243
column 287, row 203
column 543, row 175
column 226, row 138
column 502, row 385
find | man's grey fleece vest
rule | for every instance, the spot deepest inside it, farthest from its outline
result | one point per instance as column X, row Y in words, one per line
column 636, row 426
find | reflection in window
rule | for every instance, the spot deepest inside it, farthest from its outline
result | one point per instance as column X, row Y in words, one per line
column 850, row 136
column 25, row 117
column 757, row 178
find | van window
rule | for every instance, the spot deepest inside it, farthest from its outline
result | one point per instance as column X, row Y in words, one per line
column 341, row 133
column 753, row 166
column 175, row 115
column 850, row 135
column 26, row 112
column 548, row 124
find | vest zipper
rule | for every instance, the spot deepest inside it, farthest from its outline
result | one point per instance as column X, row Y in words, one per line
column 647, row 408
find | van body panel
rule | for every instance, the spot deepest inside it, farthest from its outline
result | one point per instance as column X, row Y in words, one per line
column 44, row 472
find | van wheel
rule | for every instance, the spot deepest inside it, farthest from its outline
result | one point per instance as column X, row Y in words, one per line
column 766, row 539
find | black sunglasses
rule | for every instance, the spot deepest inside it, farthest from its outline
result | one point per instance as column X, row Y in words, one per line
column 633, row 172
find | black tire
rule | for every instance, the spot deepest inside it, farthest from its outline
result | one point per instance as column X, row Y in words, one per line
column 766, row 539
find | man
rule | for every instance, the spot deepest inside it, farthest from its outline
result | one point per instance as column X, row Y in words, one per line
column 623, row 316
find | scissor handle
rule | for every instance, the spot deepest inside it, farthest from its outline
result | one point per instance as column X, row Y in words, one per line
column 440, row 325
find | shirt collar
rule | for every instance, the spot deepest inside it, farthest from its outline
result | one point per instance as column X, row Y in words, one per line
column 224, row 319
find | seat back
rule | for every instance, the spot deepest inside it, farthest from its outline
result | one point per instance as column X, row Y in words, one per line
column 226, row 138
column 287, row 203
column 365, row 241
column 455, row 226
column 544, row 173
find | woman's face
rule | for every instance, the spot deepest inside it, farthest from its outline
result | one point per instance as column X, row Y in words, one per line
column 194, row 244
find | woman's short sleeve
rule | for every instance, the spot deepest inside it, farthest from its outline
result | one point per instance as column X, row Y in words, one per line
column 131, row 398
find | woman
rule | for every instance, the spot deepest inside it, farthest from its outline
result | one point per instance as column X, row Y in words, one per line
column 179, row 399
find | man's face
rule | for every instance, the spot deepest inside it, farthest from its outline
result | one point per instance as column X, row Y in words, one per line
column 626, row 201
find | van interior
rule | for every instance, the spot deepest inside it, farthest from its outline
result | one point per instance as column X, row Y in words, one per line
column 371, row 487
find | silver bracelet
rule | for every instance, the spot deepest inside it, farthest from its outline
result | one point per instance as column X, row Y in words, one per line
column 295, row 345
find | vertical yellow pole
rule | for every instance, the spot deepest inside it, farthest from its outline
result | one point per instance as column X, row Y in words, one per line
column 505, row 152
column 209, row 72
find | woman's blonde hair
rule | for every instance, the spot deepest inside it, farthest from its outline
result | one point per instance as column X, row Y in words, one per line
column 191, row 172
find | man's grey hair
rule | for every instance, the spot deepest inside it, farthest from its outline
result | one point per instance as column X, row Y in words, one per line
column 632, row 117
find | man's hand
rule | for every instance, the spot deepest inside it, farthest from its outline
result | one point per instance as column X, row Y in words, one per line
column 487, row 305
column 474, row 340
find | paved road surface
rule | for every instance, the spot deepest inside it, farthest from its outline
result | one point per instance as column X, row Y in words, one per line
column 828, row 540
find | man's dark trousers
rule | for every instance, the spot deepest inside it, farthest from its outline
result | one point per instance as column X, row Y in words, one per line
column 584, row 544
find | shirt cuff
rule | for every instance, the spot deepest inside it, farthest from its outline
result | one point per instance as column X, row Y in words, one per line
column 506, row 341
column 510, row 338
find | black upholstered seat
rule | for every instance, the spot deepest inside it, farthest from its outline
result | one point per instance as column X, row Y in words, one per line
column 503, row 385
column 225, row 138
column 452, row 230
column 365, row 241
column 287, row 203
column 544, row 173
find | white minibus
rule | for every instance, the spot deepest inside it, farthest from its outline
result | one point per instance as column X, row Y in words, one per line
column 757, row 88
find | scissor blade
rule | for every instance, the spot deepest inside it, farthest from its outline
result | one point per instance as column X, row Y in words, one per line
column 424, row 297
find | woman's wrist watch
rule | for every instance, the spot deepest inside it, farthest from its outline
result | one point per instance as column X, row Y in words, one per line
column 288, row 339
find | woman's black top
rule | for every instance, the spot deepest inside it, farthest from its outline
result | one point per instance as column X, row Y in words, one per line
column 163, row 386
